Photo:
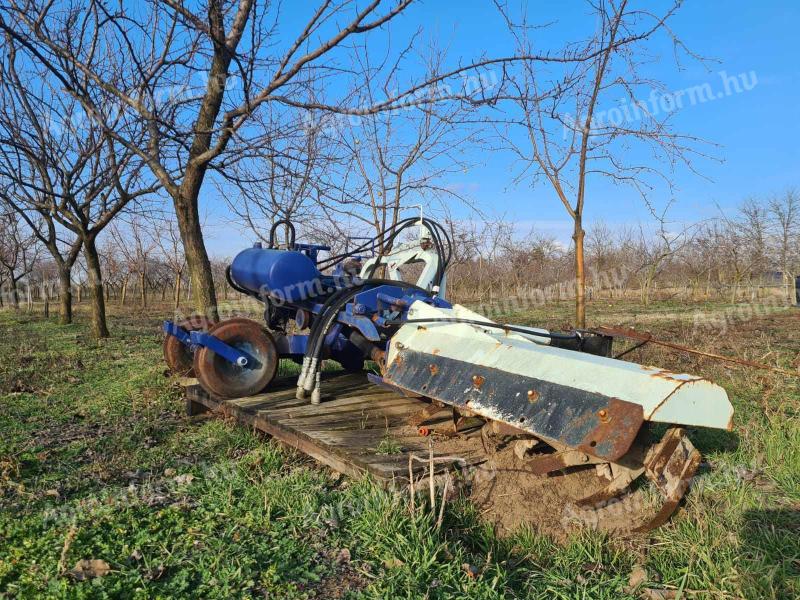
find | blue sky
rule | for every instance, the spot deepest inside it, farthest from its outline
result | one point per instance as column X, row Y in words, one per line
column 756, row 130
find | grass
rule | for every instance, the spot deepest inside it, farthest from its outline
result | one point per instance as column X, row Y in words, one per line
column 388, row 445
column 98, row 461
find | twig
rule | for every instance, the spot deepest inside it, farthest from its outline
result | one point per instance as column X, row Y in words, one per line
column 444, row 501
column 62, row 561
column 432, row 486
column 411, row 482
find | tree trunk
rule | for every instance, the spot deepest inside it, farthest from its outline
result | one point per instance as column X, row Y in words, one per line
column 124, row 293
column 143, row 289
column 202, row 281
column 14, row 294
column 64, row 296
column 580, row 274
column 178, row 278
column 99, row 325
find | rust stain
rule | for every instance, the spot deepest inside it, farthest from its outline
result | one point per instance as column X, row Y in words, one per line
column 667, row 397
column 613, row 435
column 478, row 381
column 667, row 375
column 433, row 369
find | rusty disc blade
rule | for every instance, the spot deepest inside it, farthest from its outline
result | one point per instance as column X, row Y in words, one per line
column 179, row 356
column 226, row 380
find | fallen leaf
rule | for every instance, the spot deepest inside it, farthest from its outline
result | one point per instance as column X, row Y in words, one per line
column 658, row 594
column 88, row 569
column 343, row 556
column 470, row 570
column 637, row 578
column 184, row 479
column 393, row 563
column 169, row 472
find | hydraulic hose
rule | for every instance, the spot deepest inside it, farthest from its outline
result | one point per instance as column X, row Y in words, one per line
column 309, row 376
column 514, row 328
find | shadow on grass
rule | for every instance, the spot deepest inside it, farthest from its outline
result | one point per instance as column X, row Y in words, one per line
column 713, row 440
column 771, row 539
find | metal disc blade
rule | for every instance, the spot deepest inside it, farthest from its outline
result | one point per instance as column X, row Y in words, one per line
column 226, row 380
column 179, row 356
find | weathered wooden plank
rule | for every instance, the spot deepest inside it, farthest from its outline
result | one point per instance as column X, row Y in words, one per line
column 346, row 430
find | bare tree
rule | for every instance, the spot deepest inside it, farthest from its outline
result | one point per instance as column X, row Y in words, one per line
column 393, row 160
column 136, row 244
column 43, row 156
column 155, row 57
column 656, row 249
column 67, row 168
column 282, row 178
column 566, row 137
column 168, row 240
column 197, row 127
column 784, row 212
column 19, row 252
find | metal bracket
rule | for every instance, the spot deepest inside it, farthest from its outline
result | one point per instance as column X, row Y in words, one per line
column 229, row 353
column 175, row 330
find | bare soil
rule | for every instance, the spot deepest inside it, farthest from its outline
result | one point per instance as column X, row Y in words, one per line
column 510, row 497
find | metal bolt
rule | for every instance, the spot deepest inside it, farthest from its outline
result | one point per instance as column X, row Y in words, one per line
column 533, row 395
column 241, row 361
column 603, row 413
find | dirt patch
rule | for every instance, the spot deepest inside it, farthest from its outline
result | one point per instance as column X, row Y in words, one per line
column 510, row 497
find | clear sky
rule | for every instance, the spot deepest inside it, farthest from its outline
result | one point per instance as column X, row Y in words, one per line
column 756, row 129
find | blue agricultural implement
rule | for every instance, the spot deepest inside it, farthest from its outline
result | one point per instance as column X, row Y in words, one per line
column 558, row 397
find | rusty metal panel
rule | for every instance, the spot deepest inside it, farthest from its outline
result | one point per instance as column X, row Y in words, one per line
column 596, row 424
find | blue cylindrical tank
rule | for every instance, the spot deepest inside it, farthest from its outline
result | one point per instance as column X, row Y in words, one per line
column 285, row 275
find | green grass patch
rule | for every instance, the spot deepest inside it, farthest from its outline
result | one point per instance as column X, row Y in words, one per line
column 98, row 461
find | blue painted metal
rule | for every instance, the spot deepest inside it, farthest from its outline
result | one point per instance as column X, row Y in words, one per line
column 284, row 275
column 177, row 331
column 311, row 250
column 291, row 278
column 390, row 300
column 226, row 351
column 362, row 323
column 297, row 345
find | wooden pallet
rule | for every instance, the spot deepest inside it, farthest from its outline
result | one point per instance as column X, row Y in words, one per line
column 351, row 430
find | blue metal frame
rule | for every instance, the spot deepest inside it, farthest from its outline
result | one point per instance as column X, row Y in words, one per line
column 198, row 339
column 226, row 351
column 177, row 331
